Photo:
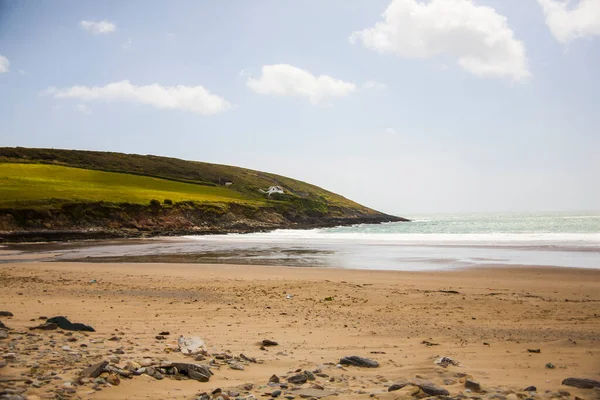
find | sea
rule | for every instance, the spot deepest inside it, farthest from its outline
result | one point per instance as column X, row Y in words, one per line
column 427, row 243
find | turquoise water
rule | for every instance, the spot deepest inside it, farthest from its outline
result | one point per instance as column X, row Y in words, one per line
column 521, row 223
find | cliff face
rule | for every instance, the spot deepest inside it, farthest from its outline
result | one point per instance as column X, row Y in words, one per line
column 102, row 220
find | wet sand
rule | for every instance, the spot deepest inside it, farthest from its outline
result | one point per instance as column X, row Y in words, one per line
column 497, row 314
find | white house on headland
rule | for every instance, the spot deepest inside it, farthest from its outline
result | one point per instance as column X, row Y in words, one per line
column 273, row 189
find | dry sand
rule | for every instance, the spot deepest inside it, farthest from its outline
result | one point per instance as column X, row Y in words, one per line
column 488, row 326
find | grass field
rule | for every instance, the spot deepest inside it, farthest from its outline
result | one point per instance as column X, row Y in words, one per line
column 23, row 185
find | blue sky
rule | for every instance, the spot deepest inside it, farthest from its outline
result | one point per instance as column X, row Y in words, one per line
column 434, row 106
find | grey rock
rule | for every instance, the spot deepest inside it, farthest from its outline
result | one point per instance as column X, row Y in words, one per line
column 431, row 388
column 473, row 385
column 298, row 379
column 581, row 383
column 359, row 362
column 197, row 372
column 276, row 393
column 3, row 334
column 309, row 375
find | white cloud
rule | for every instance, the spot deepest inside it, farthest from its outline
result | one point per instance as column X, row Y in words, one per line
column 287, row 80
column 127, row 44
column 569, row 23
column 390, row 131
column 477, row 36
column 4, row 64
column 98, row 27
column 374, row 85
column 84, row 109
column 22, row 71
column 187, row 98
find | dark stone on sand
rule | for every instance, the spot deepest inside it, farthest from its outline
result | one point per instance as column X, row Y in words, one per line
column 165, row 333
column 359, row 362
column 397, row 386
column 64, row 323
column 45, row 327
column 94, row 370
column 6, row 314
column 530, row 389
column 2, row 326
column 274, row 379
column 473, row 385
column 581, row 383
column 298, row 379
column 534, row 350
column 431, row 388
column 197, row 372
column 267, row 342
column 276, row 393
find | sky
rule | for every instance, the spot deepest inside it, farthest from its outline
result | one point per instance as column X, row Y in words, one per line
column 406, row 106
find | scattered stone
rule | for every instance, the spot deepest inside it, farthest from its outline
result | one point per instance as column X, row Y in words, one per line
column 6, row 314
column 64, row 323
column 431, row 388
column 473, row 385
column 398, row 386
column 550, row 365
column 310, row 376
column 298, row 379
column 530, row 389
column 249, row 359
column 3, row 334
column 276, row 393
column 446, row 361
column 274, row 379
column 236, row 366
column 191, row 345
column 165, row 333
column 94, row 370
column 581, row 383
column 359, row 362
column 534, row 350
column 429, row 344
column 2, row 326
column 198, row 372
column 159, row 337
column 113, row 379
column 267, row 342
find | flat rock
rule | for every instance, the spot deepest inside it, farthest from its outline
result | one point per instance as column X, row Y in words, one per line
column 473, row 385
column 298, row 379
column 581, row 383
column 64, row 323
column 6, row 314
column 359, row 362
column 47, row 326
column 431, row 388
column 197, row 372
column 94, row 370
column 267, row 342
column 314, row 393
column 191, row 345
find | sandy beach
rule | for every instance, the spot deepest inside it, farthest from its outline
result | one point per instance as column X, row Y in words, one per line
column 484, row 319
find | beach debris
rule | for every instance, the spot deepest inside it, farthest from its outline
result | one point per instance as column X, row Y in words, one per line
column 473, row 385
column 446, row 361
column 359, row 362
column 64, row 323
column 534, row 350
column 550, row 365
column 191, row 345
column 581, row 383
column 429, row 344
column 268, row 342
column 530, row 389
column 94, row 370
column 6, row 314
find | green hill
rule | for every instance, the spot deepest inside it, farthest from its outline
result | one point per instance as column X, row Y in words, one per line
column 104, row 194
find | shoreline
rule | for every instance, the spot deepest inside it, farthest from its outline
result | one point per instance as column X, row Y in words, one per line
column 382, row 315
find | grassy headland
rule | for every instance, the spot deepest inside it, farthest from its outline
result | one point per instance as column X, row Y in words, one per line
column 48, row 193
